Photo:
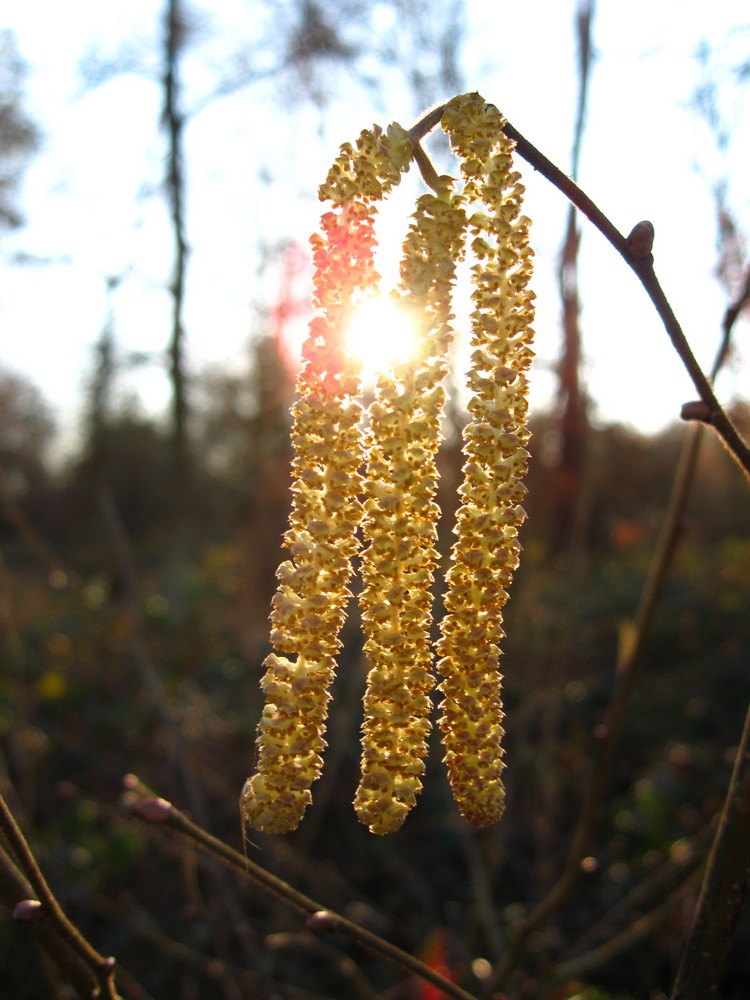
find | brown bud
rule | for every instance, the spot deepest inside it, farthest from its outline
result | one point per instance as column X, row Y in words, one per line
column 27, row 910
column 696, row 410
column 640, row 242
column 153, row 810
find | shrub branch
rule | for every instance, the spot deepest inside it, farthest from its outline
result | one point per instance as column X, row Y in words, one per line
column 160, row 812
column 102, row 968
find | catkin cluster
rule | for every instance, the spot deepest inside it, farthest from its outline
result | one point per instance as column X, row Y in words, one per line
column 309, row 605
column 381, row 483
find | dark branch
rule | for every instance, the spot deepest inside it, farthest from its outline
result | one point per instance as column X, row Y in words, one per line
column 102, row 968
column 642, row 264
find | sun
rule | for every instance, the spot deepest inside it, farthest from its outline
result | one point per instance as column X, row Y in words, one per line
column 380, row 335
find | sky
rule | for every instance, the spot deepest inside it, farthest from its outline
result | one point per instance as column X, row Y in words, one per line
column 94, row 207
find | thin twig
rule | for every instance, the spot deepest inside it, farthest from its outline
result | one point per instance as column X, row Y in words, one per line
column 16, row 890
column 102, row 968
column 426, row 169
column 643, row 266
column 427, row 123
column 159, row 811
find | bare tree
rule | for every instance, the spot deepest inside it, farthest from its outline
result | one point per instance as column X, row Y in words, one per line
column 175, row 27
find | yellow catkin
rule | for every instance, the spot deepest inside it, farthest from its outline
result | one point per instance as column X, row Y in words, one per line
column 400, row 525
column 309, row 605
column 486, row 551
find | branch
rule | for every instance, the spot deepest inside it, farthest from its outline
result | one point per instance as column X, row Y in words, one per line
column 102, row 968
column 27, row 910
column 636, row 251
column 160, row 812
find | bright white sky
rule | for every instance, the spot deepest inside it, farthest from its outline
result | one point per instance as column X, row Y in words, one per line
column 93, row 208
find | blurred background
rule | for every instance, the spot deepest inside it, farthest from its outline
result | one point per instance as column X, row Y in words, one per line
column 159, row 164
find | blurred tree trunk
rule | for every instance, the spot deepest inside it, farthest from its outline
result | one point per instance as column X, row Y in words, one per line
column 572, row 403
column 173, row 121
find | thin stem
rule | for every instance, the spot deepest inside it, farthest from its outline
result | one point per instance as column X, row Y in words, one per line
column 15, row 888
column 426, row 169
column 103, row 968
column 160, row 811
column 427, row 123
column 643, row 266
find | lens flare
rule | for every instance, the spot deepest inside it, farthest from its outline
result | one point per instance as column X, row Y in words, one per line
column 380, row 335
